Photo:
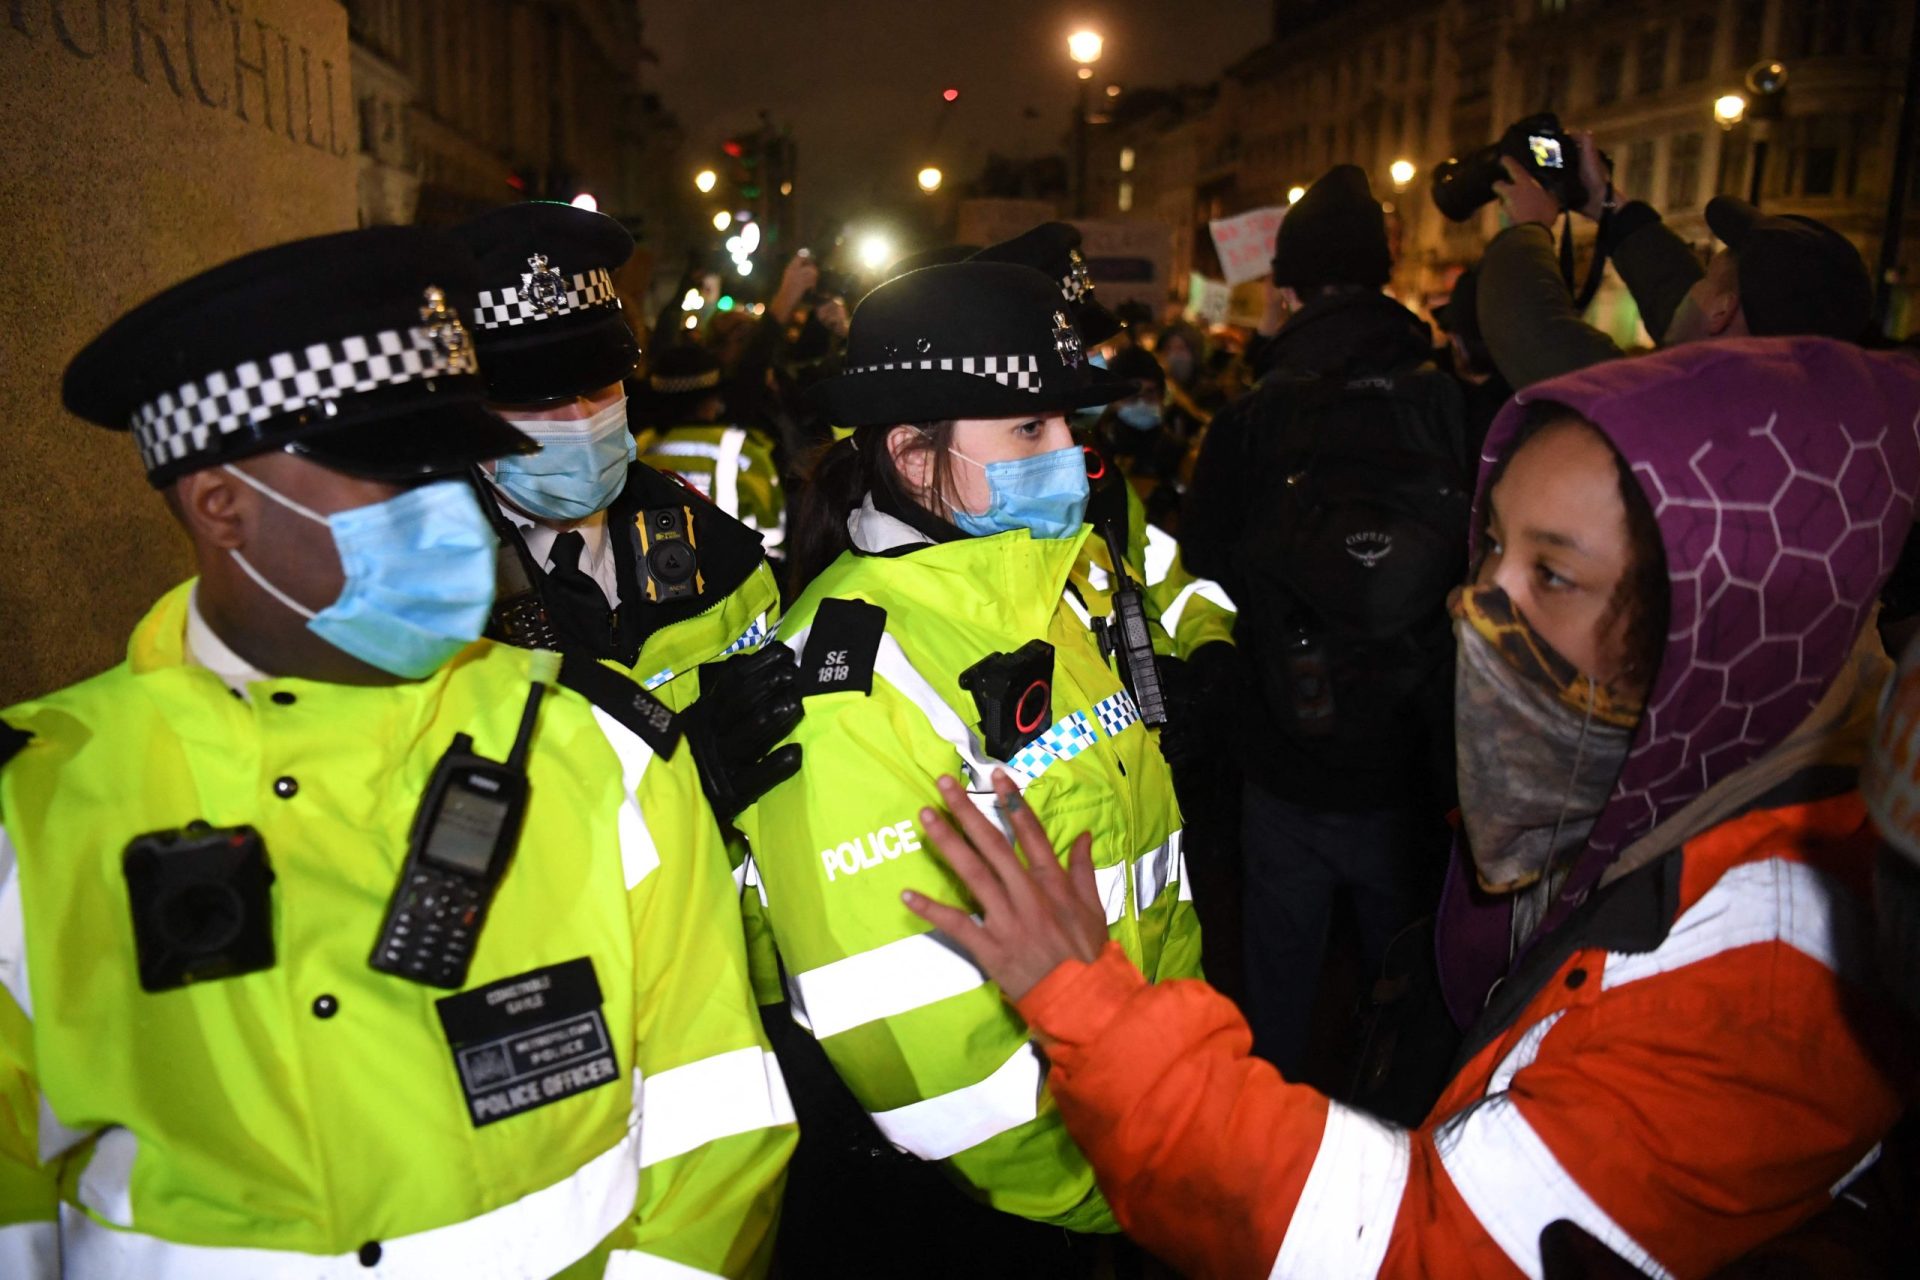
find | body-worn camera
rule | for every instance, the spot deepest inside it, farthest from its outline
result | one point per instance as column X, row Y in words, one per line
column 202, row 904
column 1014, row 694
column 669, row 554
column 1461, row 186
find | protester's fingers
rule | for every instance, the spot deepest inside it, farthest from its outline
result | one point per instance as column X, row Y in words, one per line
column 981, row 880
column 1086, row 886
column 962, row 928
column 988, row 840
column 1028, row 834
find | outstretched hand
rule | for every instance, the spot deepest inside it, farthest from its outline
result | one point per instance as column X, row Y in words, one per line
column 1034, row 916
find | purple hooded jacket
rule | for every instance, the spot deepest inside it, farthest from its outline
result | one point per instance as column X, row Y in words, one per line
column 1782, row 472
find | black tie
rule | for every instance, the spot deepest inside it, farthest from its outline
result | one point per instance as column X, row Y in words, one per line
column 576, row 593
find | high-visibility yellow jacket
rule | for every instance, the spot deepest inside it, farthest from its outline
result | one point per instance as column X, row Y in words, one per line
column 1184, row 611
column 932, row 1053
column 312, row 1119
column 732, row 465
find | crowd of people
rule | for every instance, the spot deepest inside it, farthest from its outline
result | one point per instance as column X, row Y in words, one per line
column 964, row 781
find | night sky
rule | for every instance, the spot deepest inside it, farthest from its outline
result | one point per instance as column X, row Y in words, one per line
column 859, row 81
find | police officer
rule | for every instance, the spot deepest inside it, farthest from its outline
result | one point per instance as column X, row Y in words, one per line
column 944, row 637
column 681, row 424
column 336, row 941
column 604, row 557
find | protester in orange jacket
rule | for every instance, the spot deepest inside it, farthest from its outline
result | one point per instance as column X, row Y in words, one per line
column 1666, row 683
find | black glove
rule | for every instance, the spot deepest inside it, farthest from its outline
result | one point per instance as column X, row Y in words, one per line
column 1220, row 690
column 1181, row 741
column 747, row 704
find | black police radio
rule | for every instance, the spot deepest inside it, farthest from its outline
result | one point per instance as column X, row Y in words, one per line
column 462, row 838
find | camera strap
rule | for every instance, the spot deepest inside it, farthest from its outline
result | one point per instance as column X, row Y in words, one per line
column 1583, row 296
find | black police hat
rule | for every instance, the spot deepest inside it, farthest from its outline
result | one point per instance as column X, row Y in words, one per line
column 1797, row 276
column 966, row 340
column 344, row 348
column 546, row 319
column 678, row 378
column 1053, row 249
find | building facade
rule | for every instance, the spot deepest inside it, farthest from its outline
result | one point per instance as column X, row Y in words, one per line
column 1381, row 81
column 467, row 104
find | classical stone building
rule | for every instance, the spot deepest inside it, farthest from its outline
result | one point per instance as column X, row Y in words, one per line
column 466, row 104
column 1379, row 81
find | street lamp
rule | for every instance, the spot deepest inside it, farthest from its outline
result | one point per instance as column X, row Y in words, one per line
column 1401, row 171
column 875, row 251
column 586, row 201
column 929, row 179
column 1294, row 194
column 1767, row 83
column 705, row 180
column 1084, row 48
column 1729, row 109
column 722, row 220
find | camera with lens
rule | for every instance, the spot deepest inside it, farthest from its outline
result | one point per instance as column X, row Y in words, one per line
column 202, row 904
column 669, row 554
column 1461, row 186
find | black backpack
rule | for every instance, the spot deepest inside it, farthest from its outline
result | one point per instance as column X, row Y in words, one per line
column 1346, row 565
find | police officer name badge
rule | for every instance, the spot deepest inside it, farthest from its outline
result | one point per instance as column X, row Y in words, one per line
column 529, row 1040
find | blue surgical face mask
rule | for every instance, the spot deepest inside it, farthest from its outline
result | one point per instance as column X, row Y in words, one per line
column 419, row 570
column 1139, row 415
column 580, row 469
column 1045, row 494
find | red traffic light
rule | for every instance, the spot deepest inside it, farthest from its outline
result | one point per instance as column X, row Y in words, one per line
column 733, row 148
column 951, row 95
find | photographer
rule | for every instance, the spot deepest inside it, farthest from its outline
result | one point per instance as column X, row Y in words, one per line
column 1777, row 276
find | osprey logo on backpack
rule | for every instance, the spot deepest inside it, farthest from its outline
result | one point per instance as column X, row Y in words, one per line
column 1370, row 546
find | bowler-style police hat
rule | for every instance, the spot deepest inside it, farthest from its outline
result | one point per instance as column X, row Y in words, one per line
column 545, row 316
column 967, row 340
column 1053, row 249
column 343, row 348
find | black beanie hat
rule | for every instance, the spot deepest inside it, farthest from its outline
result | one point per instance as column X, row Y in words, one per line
column 1334, row 234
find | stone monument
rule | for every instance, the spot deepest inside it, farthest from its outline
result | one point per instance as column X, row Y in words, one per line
column 143, row 141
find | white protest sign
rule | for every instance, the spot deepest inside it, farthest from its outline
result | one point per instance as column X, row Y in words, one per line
column 1245, row 242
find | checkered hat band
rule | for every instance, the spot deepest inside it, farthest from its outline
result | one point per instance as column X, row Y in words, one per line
column 505, row 307
column 687, row 382
column 1019, row 372
column 191, row 419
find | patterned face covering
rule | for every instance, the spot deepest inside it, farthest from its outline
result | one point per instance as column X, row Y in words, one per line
column 1539, row 745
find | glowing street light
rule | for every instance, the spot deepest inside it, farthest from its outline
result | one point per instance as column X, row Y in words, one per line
column 929, row 179
column 1294, row 194
column 876, row 251
column 693, row 322
column 705, row 180
column 1084, row 47
column 1401, row 171
column 693, row 301
column 1729, row 109
column 749, row 237
column 586, row 201
column 722, row 220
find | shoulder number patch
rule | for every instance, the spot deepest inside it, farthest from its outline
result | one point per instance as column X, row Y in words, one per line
column 841, row 647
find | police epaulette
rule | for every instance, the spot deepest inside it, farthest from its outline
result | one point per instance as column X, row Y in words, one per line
column 12, row 742
column 841, row 647
column 625, row 701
